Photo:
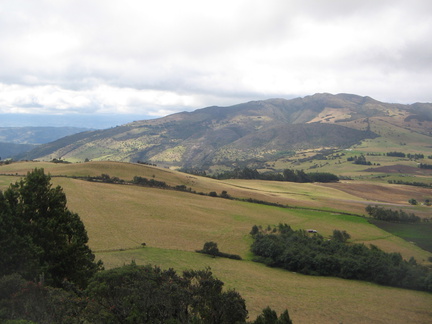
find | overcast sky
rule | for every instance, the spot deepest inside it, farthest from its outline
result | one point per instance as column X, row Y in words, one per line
column 158, row 57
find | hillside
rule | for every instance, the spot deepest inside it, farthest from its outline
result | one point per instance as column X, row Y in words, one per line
column 173, row 224
column 254, row 133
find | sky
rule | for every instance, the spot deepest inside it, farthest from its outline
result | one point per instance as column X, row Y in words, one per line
column 154, row 58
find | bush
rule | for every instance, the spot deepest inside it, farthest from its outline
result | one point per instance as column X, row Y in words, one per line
column 212, row 249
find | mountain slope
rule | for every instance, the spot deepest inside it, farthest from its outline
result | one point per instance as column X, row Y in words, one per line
column 256, row 131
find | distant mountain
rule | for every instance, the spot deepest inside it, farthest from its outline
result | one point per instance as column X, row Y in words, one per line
column 8, row 150
column 253, row 132
column 18, row 140
column 89, row 121
column 36, row 135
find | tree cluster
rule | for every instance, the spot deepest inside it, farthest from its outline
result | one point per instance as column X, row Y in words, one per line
column 359, row 160
column 105, row 178
column 287, row 175
column 415, row 156
column 396, row 154
column 129, row 294
column 425, row 166
column 390, row 215
column 409, row 183
column 212, row 249
column 149, row 183
column 312, row 254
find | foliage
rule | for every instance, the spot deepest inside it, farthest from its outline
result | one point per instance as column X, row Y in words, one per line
column 359, row 160
column 24, row 301
column 415, row 156
column 149, row 183
column 396, row 154
column 312, row 254
column 146, row 294
column 323, row 177
column 425, row 166
column 129, row 294
column 212, row 249
column 340, row 236
column 408, row 183
column 287, row 175
column 40, row 237
column 412, row 201
column 389, row 215
column 269, row 316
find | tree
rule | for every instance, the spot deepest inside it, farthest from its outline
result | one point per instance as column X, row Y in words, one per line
column 269, row 316
column 23, row 301
column 412, row 201
column 210, row 248
column 341, row 236
column 51, row 240
column 289, row 175
column 146, row 294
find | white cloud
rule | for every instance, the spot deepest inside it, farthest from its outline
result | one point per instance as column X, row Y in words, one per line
column 164, row 56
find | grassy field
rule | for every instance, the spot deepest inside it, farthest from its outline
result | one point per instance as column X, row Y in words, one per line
column 309, row 299
column 173, row 224
column 419, row 234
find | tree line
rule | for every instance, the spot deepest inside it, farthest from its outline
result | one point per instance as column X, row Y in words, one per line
column 411, row 183
column 286, row 175
column 425, row 166
column 390, row 215
column 48, row 274
column 312, row 254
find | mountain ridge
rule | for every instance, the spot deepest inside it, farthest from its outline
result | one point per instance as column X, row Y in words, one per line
column 256, row 131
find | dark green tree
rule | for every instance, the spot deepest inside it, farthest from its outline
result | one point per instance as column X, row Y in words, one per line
column 340, row 236
column 290, row 175
column 23, row 301
column 412, row 201
column 146, row 294
column 210, row 248
column 269, row 316
column 41, row 239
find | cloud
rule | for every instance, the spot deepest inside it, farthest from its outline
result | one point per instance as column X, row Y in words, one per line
column 165, row 56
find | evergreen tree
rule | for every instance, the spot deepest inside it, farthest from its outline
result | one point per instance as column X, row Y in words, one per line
column 40, row 237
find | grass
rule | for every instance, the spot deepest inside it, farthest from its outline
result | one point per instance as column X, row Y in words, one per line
column 420, row 234
column 309, row 299
column 173, row 224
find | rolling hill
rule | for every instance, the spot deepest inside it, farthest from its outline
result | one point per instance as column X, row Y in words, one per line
column 173, row 224
column 257, row 133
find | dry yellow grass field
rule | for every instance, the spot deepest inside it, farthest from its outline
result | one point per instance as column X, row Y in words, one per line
column 173, row 224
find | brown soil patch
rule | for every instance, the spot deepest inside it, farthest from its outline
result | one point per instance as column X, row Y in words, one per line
column 399, row 168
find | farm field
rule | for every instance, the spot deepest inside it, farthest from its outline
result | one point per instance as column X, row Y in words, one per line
column 173, row 224
column 419, row 234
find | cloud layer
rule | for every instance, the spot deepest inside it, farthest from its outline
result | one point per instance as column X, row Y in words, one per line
column 158, row 57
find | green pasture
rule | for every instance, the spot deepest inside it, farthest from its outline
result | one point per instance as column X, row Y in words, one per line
column 419, row 234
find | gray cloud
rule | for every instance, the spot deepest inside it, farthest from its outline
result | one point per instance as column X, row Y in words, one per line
column 160, row 57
